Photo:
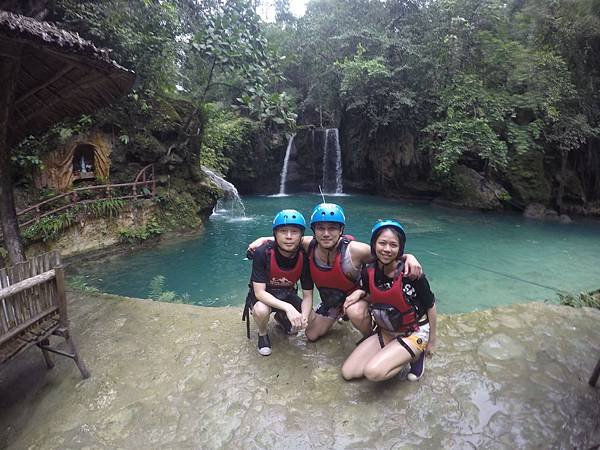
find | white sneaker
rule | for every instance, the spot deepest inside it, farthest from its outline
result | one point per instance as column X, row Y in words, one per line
column 264, row 345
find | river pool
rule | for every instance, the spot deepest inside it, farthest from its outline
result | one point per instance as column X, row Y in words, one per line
column 473, row 260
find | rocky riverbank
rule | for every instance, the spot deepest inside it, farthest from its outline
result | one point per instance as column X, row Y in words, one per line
column 180, row 376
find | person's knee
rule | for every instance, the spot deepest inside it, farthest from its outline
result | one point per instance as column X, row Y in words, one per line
column 312, row 334
column 347, row 372
column 357, row 311
column 374, row 373
column 260, row 311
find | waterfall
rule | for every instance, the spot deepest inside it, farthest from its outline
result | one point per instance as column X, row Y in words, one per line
column 284, row 169
column 231, row 203
column 332, row 163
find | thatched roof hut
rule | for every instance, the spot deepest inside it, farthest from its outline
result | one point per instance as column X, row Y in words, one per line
column 60, row 74
column 46, row 75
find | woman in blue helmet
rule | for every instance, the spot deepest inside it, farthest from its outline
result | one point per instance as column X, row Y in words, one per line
column 276, row 268
column 335, row 262
column 403, row 309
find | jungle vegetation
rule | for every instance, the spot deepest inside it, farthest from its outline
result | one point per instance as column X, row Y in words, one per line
column 484, row 83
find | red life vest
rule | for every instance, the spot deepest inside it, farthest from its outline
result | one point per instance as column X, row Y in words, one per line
column 405, row 316
column 334, row 277
column 281, row 278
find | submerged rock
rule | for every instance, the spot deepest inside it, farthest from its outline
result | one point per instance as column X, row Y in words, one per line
column 180, row 376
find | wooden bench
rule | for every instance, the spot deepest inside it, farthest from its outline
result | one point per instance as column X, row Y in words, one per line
column 33, row 307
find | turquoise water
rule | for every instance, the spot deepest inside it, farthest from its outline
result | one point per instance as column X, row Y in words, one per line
column 473, row 260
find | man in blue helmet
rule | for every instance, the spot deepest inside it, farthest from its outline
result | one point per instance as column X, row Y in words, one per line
column 335, row 262
column 276, row 268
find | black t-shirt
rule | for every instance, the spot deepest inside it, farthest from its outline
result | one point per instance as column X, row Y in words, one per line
column 260, row 269
column 417, row 292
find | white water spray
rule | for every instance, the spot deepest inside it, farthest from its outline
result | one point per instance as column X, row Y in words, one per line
column 231, row 203
column 284, row 169
column 332, row 162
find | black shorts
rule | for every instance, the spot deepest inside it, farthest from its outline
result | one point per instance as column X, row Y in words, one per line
column 287, row 295
column 332, row 302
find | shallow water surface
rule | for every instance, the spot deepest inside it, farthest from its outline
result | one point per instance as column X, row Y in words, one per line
column 473, row 260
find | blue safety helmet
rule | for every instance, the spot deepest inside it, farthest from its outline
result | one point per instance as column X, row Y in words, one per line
column 327, row 212
column 289, row 217
column 388, row 223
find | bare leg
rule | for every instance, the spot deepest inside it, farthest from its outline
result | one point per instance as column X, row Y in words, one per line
column 318, row 327
column 389, row 361
column 354, row 366
column 358, row 313
column 261, row 313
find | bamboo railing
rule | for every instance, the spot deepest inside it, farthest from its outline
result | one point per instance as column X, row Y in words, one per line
column 33, row 307
column 144, row 185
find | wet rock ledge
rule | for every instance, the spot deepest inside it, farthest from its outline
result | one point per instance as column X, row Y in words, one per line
column 179, row 376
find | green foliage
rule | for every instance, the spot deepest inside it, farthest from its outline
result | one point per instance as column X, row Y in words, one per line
column 471, row 113
column 158, row 293
column 176, row 210
column 79, row 283
column 49, row 228
column 110, row 208
column 142, row 34
column 359, row 74
column 224, row 131
column 137, row 234
column 271, row 109
column 26, row 156
column 591, row 300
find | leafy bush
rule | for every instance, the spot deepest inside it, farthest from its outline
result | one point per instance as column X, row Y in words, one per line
column 224, row 131
column 142, row 233
column 109, row 207
column 158, row 293
column 79, row 283
column 591, row 299
column 49, row 228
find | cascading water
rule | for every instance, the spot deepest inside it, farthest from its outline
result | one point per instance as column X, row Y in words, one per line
column 230, row 204
column 284, row 169
column 332, row 163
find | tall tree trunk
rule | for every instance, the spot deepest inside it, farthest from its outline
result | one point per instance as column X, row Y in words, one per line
column 561, row 182
column 9, row 69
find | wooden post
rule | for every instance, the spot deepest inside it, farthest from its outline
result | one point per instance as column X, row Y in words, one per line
column 62, row 296
column 9, row 69
column 595, row 374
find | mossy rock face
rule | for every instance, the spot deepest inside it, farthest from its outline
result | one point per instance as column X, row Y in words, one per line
column 256, row 164
column 528, row 179
column 164, row 118
column 468, row 189
column 200, row 196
